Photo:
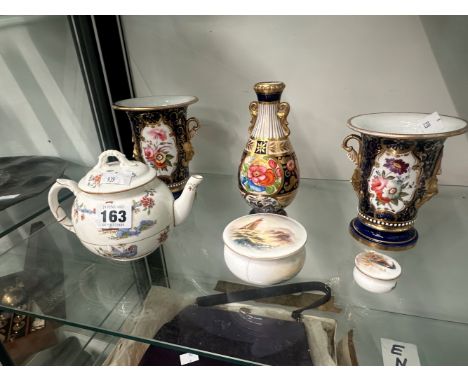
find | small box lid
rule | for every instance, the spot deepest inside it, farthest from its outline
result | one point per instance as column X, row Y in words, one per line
column 377, row 265
column 265, row 236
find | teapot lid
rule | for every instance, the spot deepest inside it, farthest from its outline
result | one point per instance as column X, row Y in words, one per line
column 121, row 175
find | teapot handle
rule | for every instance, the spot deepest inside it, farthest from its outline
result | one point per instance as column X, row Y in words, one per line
column 54, row 205
column 113, row 153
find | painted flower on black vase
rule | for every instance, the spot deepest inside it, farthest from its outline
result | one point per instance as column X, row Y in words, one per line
column 158, row 134
column 397, row 166
column 159, row 157
column 386, row 189
column 261, row 175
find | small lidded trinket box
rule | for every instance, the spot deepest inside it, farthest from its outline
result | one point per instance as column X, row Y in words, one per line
column 376, row 272
column 264, row 248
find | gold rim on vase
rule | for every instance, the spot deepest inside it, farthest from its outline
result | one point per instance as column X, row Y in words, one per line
column 154, row 103
column 457, row 131
column 269, row 87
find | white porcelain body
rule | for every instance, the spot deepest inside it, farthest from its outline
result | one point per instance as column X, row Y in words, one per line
column 371, row 284
column 150, row 202
column 266, row 271
column 152, row 219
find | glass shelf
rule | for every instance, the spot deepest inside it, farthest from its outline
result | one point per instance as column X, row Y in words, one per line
column 19, row 214
column 65, row 282
column 64, row 346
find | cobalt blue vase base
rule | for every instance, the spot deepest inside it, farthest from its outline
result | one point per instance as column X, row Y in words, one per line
column 385, row 240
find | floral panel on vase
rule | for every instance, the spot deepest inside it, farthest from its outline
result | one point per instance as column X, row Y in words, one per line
column 159, row 148
column 162, row 134
column 398, row 158
column 262, row 175
column 393, row 181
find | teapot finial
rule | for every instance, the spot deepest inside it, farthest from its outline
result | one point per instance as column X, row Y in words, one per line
column 183, row 204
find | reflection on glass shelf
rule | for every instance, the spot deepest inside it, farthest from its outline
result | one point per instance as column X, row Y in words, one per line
column 61, row 345
column 58, row 278
column 433, row 280
column 54, row 273
column 18, row 214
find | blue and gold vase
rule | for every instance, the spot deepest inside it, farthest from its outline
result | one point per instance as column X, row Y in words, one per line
column 268, row 171
column 397, row 164
column 161, row 134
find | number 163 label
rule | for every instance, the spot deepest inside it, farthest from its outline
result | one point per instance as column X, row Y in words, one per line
column 114, row 216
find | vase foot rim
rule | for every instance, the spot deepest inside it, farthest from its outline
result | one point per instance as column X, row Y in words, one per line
column 260, row 211
column 388, row 245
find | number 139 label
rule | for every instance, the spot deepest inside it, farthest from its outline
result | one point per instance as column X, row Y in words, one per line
column 114, row 216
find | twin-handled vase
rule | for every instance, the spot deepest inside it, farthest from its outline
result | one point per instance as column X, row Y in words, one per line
column 161, row 134
column 268, row 175
column 398, row 158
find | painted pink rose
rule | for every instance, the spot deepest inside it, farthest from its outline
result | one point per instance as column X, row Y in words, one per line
column 378, row 184
column 278, row 172
column 272, row 163
column 257, row 173
column 290, row 165
column 387, row 189
column 158, row 134
column 149, row 153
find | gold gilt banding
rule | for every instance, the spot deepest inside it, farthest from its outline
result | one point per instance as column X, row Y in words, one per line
column 273, row 147
column 384, row 225
column 384, row 228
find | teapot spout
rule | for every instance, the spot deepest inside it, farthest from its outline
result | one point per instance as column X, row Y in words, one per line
column 183, row 204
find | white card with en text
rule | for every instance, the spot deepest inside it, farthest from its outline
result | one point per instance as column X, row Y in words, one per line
column 188, row 358
column 396, row 353
column 116, row 178
column 431, row 122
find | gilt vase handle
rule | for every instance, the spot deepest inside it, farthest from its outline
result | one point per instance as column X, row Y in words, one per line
column 353, row 155
column 192, row 125
column 253, row 109
column 282, row 113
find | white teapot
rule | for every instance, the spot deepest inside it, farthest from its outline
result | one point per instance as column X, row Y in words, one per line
column 122, row 210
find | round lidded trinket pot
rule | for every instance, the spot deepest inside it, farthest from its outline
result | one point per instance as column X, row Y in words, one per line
column 376, row 272
column 264, row 248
